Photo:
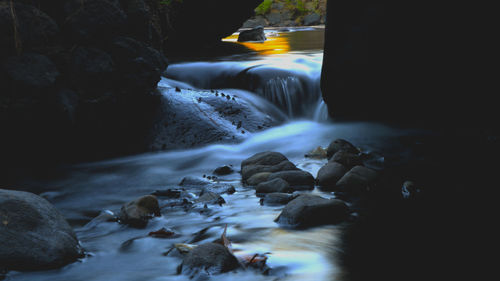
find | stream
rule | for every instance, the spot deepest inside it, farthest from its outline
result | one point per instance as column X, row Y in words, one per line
column 290, row 62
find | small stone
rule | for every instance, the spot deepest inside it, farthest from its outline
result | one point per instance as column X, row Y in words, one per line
column 212, row 258
column 223, row 170
column 137, row 213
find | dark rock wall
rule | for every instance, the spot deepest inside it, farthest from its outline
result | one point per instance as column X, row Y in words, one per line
column 426, row 62
column 78, row 77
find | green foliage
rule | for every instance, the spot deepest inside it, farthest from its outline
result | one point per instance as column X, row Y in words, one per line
column 168, row 2
column 301, row 7
column 264, row 7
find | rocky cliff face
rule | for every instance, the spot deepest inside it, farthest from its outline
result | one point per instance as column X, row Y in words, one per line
column 78, row 77
column 288, row 13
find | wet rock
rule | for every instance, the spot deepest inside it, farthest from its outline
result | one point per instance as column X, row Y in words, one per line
column 210, row 198
column 255, row 34
column 219, row 188
column 329, row 174
column 251, row 170
column 310, row 210
column 347, row 159
column 191, row 181
column 298, row 179
column 93, row 20
column 264, row 158
column 137, row 213
column 338, row 145
column 29, row 72
column 33, row 28
column 223, row 170
column 358, row 179
column 312, row 19
column 258, row 178
column 274, row 185
column 255, row 22
column 212, row 258
column 277, row 198
column 33, row 234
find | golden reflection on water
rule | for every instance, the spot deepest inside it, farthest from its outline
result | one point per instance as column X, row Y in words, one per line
column 275, row 44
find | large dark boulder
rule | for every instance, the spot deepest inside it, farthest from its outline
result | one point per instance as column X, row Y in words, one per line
column 396, row 61
column 33, row 234
column 329, row 174
column 297, row 179
column 92, row 69
column 93, row 20
column 24, row 28
column 310, row 210
column 139, row 66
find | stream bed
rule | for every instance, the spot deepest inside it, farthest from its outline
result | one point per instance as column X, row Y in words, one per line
column 292, row 62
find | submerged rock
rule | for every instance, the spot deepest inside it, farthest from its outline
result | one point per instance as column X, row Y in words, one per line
column 137, row 213
column 274, row 185
column 223, row 170
column 33, row 234
column 310, row 210
column 340, row 145
column 255, row 34
column 212, row 258
column 211, row 198
column 329, row 174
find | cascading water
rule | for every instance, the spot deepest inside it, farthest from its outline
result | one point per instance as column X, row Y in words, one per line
column 284, row 85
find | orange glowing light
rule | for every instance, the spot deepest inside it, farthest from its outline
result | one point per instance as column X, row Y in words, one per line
column 272, row 46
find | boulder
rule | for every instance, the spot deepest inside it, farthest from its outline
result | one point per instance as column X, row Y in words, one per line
column 33, row 234
column 298, row 179
column 311, row 210
column 211, row 258
column 264, row 158
column 210, row 198
column 312, row 19
column 358, row 179
column 255, row 22
column 274, row 185
column 346, row 158
column 256, row 35
column 277, row 198
column 33, row 28
column 223, row 170
column 250, row 170
column 258, row 178
column 93, row 20
column 137, row 213
column 338, row 145
column 329, row 174
column 140, row 66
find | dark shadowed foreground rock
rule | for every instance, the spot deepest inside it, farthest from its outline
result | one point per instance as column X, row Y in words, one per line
column 33, row 234
column 262, row 162
column 311, row 210
column 248, row 171
column 264, row 158
column 358, row 179
column 137, row 213
column 329, row 174
column 255, row 34
column 210, row 257
column 340, row 145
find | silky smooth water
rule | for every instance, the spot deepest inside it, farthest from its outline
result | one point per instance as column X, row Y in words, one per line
column 290, row 80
